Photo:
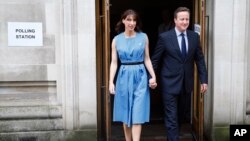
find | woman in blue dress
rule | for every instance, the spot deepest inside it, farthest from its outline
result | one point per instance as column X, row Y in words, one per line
column 132, row 99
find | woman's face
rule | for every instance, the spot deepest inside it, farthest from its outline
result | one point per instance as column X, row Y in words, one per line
column 129, row 23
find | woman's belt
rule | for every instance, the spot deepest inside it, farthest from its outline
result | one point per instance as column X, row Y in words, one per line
column 132, row 63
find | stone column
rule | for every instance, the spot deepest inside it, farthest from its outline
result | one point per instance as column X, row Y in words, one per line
column 229, row 65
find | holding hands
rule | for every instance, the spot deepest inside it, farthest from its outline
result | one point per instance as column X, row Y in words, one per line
column 152, row 83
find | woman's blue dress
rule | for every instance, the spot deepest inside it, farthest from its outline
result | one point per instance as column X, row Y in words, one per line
column 131, row 101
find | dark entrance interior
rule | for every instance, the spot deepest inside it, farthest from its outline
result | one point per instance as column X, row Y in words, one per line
column 151, row 15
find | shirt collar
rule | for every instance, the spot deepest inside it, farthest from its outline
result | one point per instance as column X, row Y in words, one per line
column 178, row 32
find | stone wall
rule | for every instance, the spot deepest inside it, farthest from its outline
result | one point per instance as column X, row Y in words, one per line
column 229, row 86
column 50, row 89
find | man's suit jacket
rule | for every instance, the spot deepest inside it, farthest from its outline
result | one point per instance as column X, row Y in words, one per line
column 174, row 70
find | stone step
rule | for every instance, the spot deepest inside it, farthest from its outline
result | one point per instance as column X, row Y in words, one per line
column 30, row 112
column 59, row 135
column 29, row 93
column 33, row 136
column 26, row 125
column 28, row 99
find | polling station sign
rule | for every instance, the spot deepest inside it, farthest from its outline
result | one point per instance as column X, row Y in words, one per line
column 25, row 34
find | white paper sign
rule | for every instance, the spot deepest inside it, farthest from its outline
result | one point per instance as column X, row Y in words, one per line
column 197, row 28
column 25, row 34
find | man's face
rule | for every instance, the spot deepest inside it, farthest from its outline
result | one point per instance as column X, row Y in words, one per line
column 182, row 21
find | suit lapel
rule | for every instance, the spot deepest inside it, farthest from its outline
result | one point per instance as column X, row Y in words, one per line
column 190, row 44
column 175, row 43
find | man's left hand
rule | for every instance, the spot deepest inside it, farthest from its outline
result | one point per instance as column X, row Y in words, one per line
column 203, row 88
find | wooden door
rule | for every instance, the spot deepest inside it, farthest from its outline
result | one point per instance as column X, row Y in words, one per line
column 103, row 63
column 198, row 99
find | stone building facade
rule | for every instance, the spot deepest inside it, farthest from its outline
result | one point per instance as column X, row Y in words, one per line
column 48, row 92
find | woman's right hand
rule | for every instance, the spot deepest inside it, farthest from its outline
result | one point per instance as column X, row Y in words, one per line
column 111, row 88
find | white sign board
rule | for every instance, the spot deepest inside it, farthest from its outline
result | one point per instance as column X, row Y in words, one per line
column 197, row 28
column 25, row 34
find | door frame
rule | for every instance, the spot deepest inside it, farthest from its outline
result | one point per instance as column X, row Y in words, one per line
column 103, row 62
column 198, row 98
column 102, row 66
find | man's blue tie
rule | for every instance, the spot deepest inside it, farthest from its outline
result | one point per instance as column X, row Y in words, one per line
column 183, row 47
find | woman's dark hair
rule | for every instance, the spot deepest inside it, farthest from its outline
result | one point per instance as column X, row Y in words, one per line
column 120, row 26
column 181, row 9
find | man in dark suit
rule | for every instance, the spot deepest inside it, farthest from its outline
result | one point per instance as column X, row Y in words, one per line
column 176, row 52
